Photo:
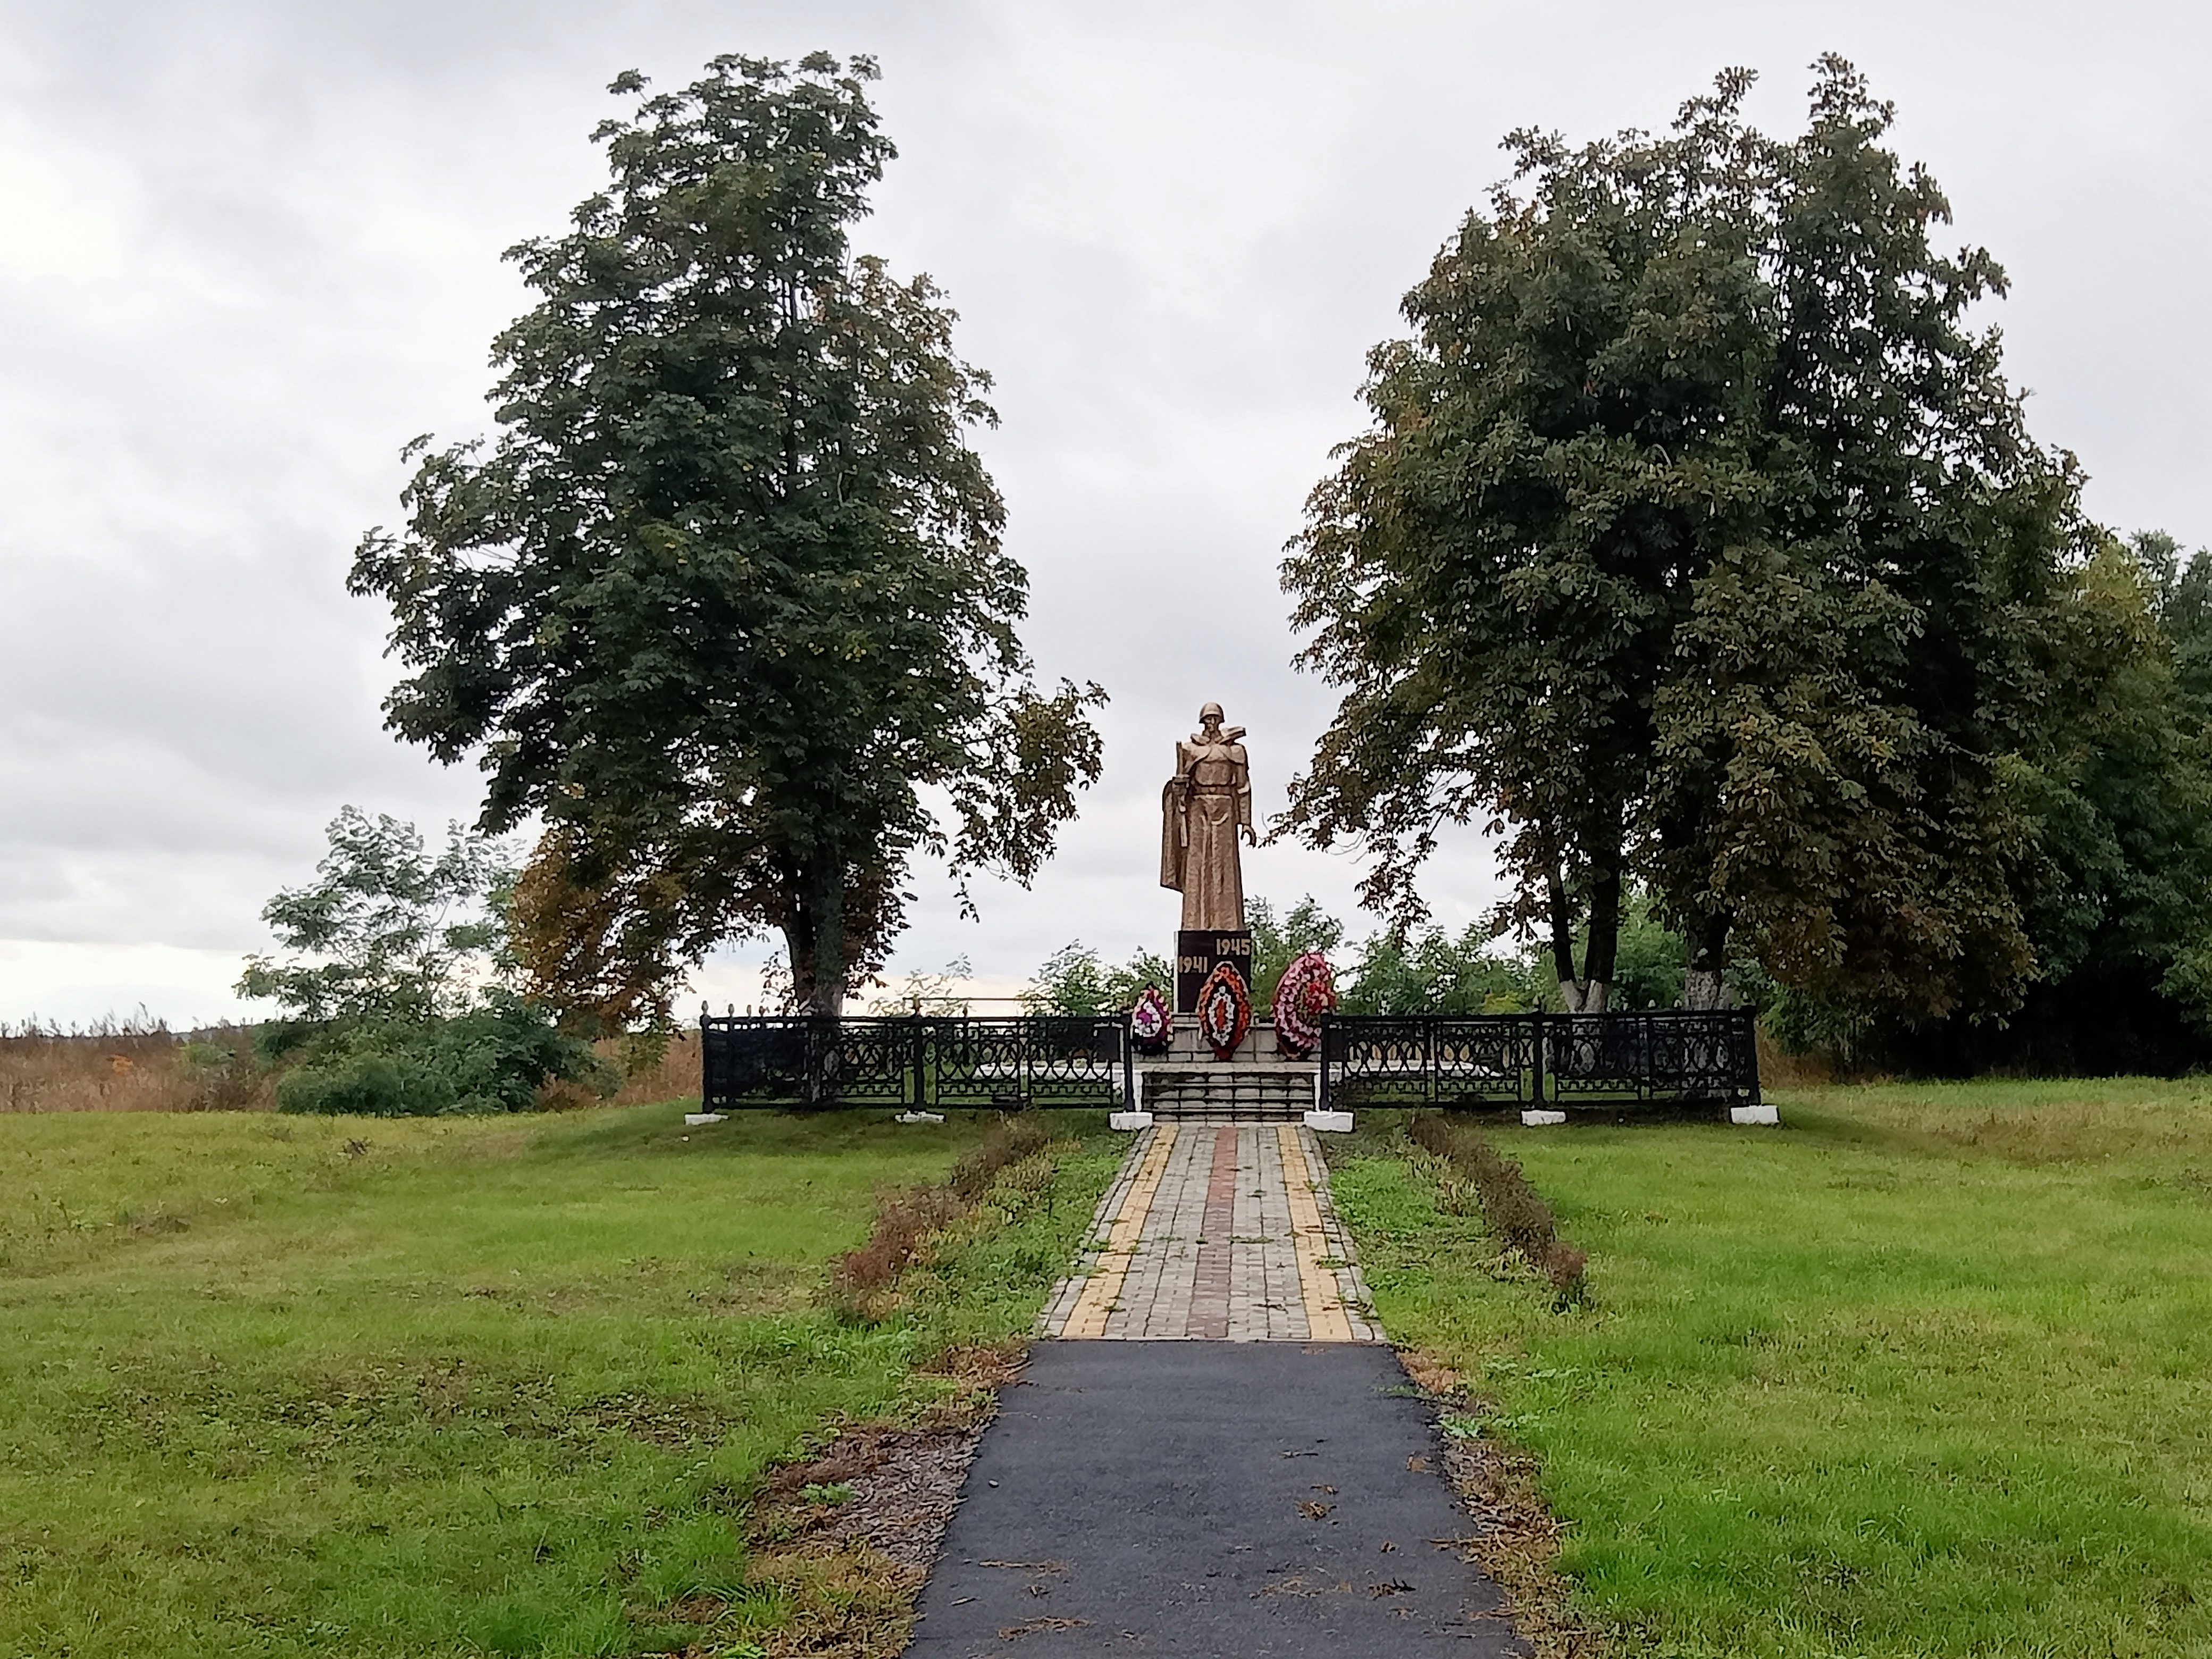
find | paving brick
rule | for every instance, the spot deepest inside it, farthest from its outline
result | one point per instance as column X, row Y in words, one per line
column 1217, row 1231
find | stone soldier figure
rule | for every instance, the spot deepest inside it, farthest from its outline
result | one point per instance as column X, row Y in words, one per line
column 1204, row 806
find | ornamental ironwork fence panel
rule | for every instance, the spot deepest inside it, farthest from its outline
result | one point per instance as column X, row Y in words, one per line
column 1377, row 1059
column 1486, row 1060
column 1041, row 1058
column 1384, row 1059
column 1660, row 1056
column 915, row 1061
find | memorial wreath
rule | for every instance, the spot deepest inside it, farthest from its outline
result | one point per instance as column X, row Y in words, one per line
column 1306, row 991
column 1150, row 1022
column 1225, row 1010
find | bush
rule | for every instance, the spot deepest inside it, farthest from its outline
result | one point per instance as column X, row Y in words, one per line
column 494, row 1058
column 1514, row 1210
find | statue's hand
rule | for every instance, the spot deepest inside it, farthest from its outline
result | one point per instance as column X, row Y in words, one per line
column 1251, row 836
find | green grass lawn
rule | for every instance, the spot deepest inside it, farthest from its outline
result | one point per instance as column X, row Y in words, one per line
column 1926, row 1371
column 274, row 1385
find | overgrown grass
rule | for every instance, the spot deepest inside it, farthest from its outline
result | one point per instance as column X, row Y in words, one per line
column 130, row 1066
column 1927, row 1371
column 281, row 1386
column 137, row 1066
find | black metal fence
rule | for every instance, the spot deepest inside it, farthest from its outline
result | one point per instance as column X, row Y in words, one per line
column 920, row 1062
column 1664, row 1056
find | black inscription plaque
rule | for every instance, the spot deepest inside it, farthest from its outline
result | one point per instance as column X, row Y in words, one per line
column 1196, row 953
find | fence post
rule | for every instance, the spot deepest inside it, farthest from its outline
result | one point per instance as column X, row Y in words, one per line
column 1536, row 1049
column 920, row 1061
column 1128, row 1063
column 1323, row 1097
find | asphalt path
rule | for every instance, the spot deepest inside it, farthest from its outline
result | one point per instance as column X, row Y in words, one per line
column 1266, row 1500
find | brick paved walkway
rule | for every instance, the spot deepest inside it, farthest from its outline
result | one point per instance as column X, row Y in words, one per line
column 1221, row 1231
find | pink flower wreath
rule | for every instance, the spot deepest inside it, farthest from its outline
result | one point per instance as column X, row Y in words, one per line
column 1305, row 993
column 1150, row 1023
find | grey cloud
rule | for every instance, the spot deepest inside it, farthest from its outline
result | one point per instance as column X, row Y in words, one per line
column 248, row 249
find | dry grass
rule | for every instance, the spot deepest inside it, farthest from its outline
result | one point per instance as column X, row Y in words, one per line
column 862, row 1282
column 1516, row 1539
column 118, row 1067
column 125, row 1067
column 674, row 1075
column 1780, row 1069
column 1516, row 1212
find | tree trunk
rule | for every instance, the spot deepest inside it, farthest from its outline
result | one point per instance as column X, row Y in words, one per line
column 1587, row 992
column 815, row 935
column 1563, row 941
column 1705, row 985
column 1603, row 950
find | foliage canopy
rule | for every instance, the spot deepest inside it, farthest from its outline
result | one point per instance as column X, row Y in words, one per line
column 387, row 930
column 726, row 595
column 1698, row 539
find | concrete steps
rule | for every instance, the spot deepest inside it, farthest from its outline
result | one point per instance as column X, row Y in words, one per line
column 1255, row 1084
column 1232, row 1093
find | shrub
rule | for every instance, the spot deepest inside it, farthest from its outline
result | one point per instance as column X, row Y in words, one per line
column 1516, row 1212
column 494, row 1058
column 861, row 1277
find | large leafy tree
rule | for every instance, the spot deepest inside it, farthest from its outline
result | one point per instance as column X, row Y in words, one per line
column 2119, row 877
column 1494, row 573
column 726, row 597
column 1871, row 646
column 1698, row 538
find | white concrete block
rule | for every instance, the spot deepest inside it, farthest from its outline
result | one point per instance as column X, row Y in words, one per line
column 696, row 1118
column 1536, row 1118
column 1329, row 1122
column 919, row 1117
column 1753, row 1114
column 1129, row 1121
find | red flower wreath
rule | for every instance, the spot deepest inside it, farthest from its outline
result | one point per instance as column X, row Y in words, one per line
column 1225, row 1010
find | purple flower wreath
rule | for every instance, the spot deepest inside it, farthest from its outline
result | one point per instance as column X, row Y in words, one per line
column 1305, row 993
column 1225, row 1010
column 1150, row 1023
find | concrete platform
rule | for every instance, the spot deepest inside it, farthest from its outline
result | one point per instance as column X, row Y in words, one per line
column 1257, row 1083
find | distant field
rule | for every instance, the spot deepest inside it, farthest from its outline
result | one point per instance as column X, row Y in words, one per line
column 1927, row 1371
column 140, row 1068
column 276, row 1385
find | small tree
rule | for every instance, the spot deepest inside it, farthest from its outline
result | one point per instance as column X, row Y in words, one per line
column 1075, row 979
column 387, row 932
column 727, row 594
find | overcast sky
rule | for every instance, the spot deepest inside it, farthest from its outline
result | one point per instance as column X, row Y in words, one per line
column 248, row 250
